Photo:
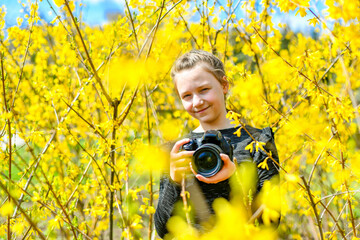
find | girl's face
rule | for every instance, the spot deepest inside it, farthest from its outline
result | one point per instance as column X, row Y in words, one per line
column 202, row 95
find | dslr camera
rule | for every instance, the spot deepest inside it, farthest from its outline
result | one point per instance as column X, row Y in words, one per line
column 206, row 160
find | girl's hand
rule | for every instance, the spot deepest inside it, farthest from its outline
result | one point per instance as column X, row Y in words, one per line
column 226, row 171
column 179, row 161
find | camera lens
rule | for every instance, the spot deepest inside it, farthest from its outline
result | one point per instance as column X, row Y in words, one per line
column 207, row 161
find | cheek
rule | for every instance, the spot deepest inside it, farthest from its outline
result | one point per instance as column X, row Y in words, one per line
column 187, row 105
column 212, row 97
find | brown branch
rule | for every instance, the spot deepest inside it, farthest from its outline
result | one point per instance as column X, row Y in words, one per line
column 112, row 174
column 91, row 156
column 290, row 111
column 188, row 29
column 184, row 199
column 342, row 160
column 332, row 33
column 47, row 207
column 23, row 63
column 336, row 222
column 156, row 28
column 268, row 154
column 33, row 224
column 127, row 108
column 337, row 194
column 79, row 56
column 163, row 16
column 8, row 111
column 59, row 202
column 331, row 65
column 132, row 25
column 317, row 159
column 38, row 159
column 86, row 121
column 301, row 73
column 318, row 220
column 348, row 197
column 150, row 175
column 98, row 79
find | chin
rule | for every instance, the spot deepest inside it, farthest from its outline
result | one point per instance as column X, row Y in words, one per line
column 208, row 121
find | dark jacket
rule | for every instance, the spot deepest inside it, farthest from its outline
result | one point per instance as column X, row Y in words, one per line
column 170, row 191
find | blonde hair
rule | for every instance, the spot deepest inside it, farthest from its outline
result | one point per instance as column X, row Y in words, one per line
column 191, row 59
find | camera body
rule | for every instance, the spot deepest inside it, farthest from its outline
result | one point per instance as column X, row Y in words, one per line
column 206, row 159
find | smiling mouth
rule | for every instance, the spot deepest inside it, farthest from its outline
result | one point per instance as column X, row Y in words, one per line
column 202, row 110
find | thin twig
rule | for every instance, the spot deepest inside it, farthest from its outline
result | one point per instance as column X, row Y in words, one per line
column 318, row 220
column 91, row 156
column 301, row 73
column 33, row 224
column 79, row 182
column 51, row 209
column 332, row 33
column 59, row 202
column 146, row 96
column 8, row 111
column 86, row 121
column 163, row 16
column 38, row 159
column 317, row 159
column 23, row 63
column 183, row 195
column 98, row 79
column 112, row 174
column 331, row 65
column 132, row 25
column 188, row 29
column 337, row 194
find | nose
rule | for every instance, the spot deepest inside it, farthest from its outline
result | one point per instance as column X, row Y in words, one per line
column 197, row 101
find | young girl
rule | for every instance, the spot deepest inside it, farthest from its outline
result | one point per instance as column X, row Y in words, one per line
column 201, row 84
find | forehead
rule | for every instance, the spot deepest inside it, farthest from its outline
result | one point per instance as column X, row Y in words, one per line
column 197, row 76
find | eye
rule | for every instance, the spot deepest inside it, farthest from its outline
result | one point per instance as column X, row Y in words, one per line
column 204, row 89
column 186, row 96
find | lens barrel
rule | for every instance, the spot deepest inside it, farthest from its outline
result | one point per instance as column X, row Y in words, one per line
column 207, row 161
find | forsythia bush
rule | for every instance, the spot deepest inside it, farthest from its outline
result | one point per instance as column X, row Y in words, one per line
column 83, row 110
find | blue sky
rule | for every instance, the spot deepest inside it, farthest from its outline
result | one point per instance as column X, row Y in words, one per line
column 94, row 12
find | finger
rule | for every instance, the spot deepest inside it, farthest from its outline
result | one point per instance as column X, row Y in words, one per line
column 225, row 158
column 181, row 155
column 211, row 180
column 182, row 169
column 198, row 176
column 202, row 178
column 180, row 162
column 226, row 172
column 185, row 154
column 178, row 145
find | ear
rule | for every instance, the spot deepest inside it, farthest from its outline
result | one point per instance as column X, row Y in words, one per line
column 225, row 85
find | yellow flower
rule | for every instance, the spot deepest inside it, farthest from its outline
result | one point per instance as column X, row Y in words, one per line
column 313, row 21
column 250, row 147
column 59, row 2
column 264, row 164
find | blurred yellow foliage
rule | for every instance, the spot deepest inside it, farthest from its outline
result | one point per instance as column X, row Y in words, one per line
column 81, row 162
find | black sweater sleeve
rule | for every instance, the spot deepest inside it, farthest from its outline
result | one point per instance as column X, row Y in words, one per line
column 169, row 194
